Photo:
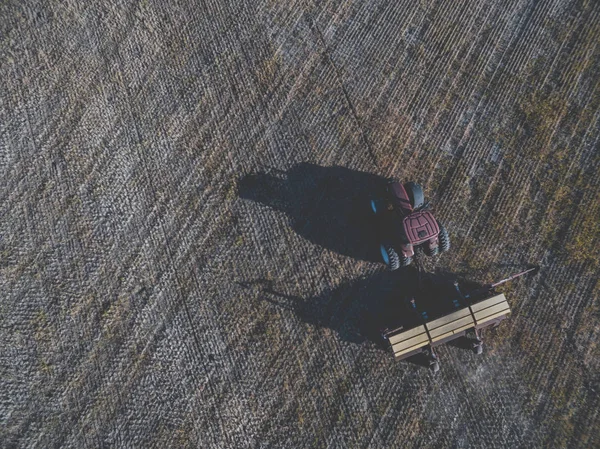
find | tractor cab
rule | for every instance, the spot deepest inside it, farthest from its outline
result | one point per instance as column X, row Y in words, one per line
column 405, row 224
column 420, row 227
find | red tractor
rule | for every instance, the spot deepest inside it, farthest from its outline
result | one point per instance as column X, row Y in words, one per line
column 405, row 223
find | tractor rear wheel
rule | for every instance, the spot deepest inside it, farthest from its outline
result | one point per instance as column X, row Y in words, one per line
column 390, row 256
column 431, row 252
column 376, row 206
column 444, row 239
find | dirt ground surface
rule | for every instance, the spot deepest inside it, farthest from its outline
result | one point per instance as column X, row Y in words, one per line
column 186, row 258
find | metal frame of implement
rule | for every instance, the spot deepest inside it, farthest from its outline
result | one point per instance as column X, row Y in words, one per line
column 489, row 312
column 467, row 321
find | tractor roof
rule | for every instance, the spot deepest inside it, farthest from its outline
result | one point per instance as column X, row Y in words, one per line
column 420, row 226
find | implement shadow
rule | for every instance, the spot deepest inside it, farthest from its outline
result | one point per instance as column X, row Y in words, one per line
column 328, row 206
column 359, row 311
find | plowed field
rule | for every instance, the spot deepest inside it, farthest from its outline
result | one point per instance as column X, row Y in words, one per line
column 186, row 258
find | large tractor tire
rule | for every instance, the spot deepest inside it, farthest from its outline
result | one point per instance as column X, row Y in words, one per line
column 405, row 261
column 390, row 257
column 431, row 252
column 375, row 206
column 444, row 239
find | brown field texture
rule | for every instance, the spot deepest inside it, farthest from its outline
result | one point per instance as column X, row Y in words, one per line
column 184, row 255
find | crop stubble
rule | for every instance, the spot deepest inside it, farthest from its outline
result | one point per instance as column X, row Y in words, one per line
column 152, row 297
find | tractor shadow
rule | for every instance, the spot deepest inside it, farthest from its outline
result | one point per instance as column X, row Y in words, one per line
column 358, row 311
column 329, row 206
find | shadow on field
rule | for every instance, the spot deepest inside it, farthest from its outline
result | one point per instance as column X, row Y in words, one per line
column 328, row 206
column 358, row 311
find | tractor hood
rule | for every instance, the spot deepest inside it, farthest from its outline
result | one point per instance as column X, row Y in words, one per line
column 420, row 226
